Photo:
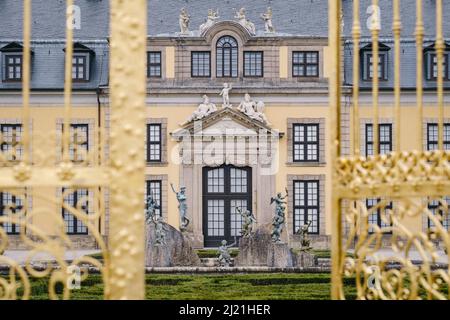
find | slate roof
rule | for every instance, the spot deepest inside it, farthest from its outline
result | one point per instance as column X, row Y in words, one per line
column 302, row 17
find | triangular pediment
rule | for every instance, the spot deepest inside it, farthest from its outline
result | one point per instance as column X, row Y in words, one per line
column 226, row 121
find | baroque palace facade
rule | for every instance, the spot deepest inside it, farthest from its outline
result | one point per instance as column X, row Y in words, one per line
column 237, row 107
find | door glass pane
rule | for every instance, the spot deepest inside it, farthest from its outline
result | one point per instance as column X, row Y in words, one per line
column 216, row 217
column 216, row 180
column 238, row 181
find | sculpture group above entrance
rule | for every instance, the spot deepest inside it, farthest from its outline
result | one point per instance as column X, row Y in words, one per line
column 252, row 109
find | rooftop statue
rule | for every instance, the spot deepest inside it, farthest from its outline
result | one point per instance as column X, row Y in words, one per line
column 203, row 110
column 267, row 17
column 210, row 20
column 279, row 218
column 224, row 253
column 226, row 95
column 250, row 26
column 184, row 20
column 249, row 220
column 254, row 110
column 182, row 206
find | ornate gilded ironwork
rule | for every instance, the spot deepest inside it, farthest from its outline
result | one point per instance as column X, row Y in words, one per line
column 375, row 198
column 79, row 172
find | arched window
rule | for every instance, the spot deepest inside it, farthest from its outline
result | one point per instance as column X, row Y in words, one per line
column 227, row 57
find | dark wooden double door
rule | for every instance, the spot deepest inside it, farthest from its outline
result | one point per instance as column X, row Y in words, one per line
column 225, row 188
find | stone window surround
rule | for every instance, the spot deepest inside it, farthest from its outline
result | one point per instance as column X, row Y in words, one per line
column 293, row 49
column 91, row 136
column 162, row 50
column 29, row 196
column 164, row 192
column 290, row 216
column 163, row 123
column 290, row 151
column 19, row 121
column 362, row 135
column 91, row 195
column 425, row 123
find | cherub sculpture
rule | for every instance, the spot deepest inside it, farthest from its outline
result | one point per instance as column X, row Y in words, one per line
column 210, row 21
column 267, row 17
column 184, row 20
column 249, row 220
column 225, row 93
column 240, row 16
column 279, row 218
column 182, row 206
column 224, row 253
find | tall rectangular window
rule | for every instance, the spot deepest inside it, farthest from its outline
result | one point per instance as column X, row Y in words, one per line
column 154, row 64
column 433, row 134
column 10, row 139
column 13, row 67
column 79, row 68
column 10, row 205
column 154, row 189
column 154, row 142
column 305, row 64
column 253, row 63
column 384, row 139
column 77, row 200
column 201, row 64
column 306, row 205
column 380, row 216
column 79, row 142
column 440, row 207
column 306, row 142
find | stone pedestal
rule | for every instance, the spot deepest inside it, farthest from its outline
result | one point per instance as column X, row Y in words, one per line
column 259, row 250
column 177, row 252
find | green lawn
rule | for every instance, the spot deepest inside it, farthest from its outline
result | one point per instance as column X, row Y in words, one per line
column 228, row 287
